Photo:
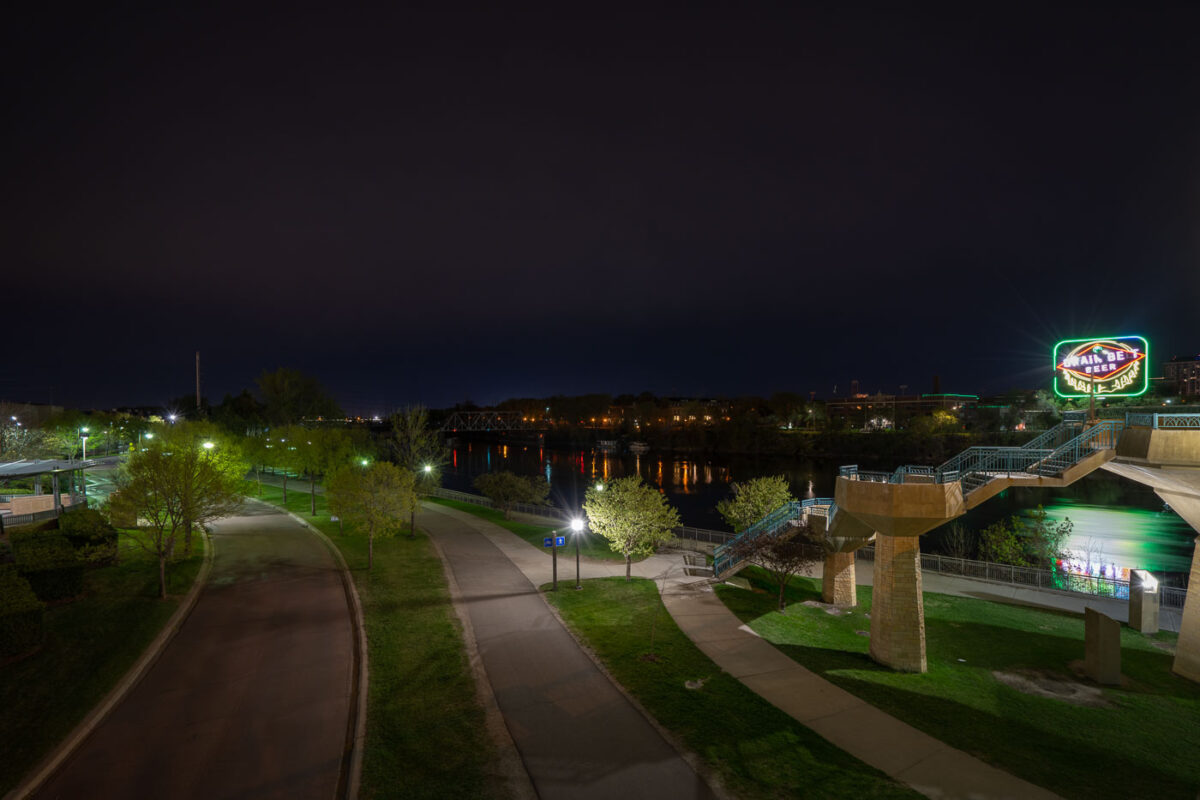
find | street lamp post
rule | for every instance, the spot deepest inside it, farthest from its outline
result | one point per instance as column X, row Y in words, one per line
column 576, row 529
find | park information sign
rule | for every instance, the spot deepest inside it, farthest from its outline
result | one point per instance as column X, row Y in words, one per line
column 1113, row 366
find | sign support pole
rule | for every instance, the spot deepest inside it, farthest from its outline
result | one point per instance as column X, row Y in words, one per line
column 554, row 561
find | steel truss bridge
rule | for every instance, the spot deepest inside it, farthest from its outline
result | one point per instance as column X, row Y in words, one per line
column 466, row 421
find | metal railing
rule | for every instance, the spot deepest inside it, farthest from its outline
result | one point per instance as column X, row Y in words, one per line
column 728, row 554
column 704, row 535
column 550, row 512
column 1034, row 578
column 1159, row 421
column 8, row 521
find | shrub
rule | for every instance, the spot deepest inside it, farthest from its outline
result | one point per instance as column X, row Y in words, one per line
column 93, row 538
column 21, row 614
column 50, row 565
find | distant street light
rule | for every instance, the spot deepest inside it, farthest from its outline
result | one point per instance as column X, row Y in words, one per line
column 599, row 487
column 83, row 436
column 208, row 445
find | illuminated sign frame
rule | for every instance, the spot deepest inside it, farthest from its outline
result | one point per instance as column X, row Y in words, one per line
column 1108, row 366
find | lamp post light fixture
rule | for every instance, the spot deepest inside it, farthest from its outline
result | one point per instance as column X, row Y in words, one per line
column 599, row 486
column 209, row 445
column 576, row 530
column 364, row 462
column 83, row 437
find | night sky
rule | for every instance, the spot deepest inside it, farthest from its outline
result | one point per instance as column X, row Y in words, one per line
column 423, row 206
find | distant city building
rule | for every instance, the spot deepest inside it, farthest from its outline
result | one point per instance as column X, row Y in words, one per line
column 889, row 411
column 1183, row 372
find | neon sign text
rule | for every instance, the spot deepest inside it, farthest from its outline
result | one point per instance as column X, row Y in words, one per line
column 1113, row 366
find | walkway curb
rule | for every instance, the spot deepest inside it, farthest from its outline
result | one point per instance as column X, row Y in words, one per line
column 83, row 730
column 350, row 781
column 513, row 769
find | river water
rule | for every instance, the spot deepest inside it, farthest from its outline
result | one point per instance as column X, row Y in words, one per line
column 1116, row 522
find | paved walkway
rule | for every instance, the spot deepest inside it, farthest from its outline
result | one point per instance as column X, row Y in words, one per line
column 578, row 736
column 251, row 699
column 908, row 755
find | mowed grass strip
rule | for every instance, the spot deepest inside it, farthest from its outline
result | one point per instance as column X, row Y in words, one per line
column 90, row 644
column 1143, row 739
column 759, row 751
column 425, row 728
column 590, row 545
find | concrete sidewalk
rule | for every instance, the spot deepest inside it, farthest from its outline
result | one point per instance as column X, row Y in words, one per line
column 577, row 734
column 903, row 752
column 879, row 739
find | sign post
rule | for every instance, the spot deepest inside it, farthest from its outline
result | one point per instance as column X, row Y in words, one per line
column 553, row 542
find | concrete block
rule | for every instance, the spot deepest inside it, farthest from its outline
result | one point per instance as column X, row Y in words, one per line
column 837, row 580
column 1143, row 602
column 1102, row 647
column 897, row 607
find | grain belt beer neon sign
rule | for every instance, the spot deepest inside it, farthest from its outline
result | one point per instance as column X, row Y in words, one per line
column 1113, row 366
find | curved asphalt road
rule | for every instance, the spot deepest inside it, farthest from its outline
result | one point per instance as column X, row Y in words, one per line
column 578, row 736
column 251, row 699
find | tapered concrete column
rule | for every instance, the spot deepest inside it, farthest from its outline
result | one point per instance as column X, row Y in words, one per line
column 1187, row 648
column 897, row 609
column 837, row 580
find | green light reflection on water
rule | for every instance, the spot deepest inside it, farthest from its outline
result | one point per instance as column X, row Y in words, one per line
column 1126, row 536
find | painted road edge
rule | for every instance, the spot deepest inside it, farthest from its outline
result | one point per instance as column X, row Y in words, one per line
column 83, row 730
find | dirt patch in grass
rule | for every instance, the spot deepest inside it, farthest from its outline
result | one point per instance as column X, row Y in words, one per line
column 1044, row 684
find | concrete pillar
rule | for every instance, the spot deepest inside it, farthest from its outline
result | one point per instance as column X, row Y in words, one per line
column 837, row 580
column 1187, row 649
column 1101, row 647
column 57, row 496
column 897, row 608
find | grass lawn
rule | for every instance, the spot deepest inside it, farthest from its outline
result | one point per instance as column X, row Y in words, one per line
column 590, row 545
column 1145, row 741
column 759, row 751
column 90, row 644
column 425, row 728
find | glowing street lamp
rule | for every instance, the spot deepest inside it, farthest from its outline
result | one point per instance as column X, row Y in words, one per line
column 576, row 530
column 83, row 437
column 599, row 487
column 209, row 445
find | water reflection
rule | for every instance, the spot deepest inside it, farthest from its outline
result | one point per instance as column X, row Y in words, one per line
column 1114, row 517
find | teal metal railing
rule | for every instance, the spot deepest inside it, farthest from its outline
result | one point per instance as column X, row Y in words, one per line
column 731, row 553
column 1048, row 454
column 1158, row 421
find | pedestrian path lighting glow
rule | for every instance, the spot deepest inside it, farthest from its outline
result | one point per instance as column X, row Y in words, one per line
column 428, row 469
column 599, row 487
column 576, row 529
column 208, row 445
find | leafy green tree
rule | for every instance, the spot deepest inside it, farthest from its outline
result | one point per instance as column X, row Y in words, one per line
column 634, row 517
column 284, row 452
column 372, row 500
column 1033, row 542
column 754, row 499
column 418, row 448
column 505, row 490
column 173, row 484
column 290, row 396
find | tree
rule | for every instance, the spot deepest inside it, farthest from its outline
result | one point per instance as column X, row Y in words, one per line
column 373, row 500
column 290, row 396
column 505, row 490
column 634, row 517
column 284, row 452
column 784, row 554
column 754, row 499
column 1036, row 542
column 418, row 448
column 209, row 470
column 174, row 483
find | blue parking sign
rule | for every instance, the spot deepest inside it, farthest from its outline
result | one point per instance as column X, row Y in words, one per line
column 547, row 542
column 561, row 541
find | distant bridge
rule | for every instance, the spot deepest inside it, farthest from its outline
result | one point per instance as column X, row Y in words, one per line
column 461, row 421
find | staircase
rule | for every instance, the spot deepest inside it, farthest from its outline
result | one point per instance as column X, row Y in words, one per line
column 731, row 556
